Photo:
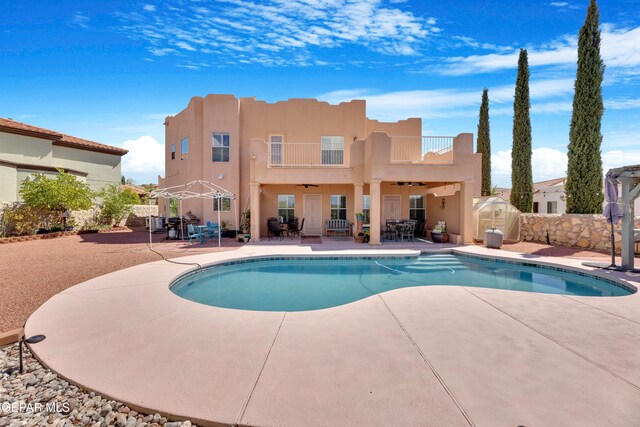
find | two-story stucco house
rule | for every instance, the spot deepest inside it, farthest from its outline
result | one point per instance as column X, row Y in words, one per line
column 316, row 161
column 26, row 150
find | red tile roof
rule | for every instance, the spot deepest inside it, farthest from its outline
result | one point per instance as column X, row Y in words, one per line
column 60, row 139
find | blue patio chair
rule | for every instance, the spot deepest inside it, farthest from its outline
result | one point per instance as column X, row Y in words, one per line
column 193, row 234
column 212, row 230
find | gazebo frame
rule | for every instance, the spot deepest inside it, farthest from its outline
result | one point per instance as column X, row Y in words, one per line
column 210, row 191
column 629, row 178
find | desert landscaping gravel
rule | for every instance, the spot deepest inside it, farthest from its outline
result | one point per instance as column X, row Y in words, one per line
column 39, row 398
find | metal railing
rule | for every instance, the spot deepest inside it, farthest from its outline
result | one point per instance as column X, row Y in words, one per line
column 434, row 150
column 303, row 154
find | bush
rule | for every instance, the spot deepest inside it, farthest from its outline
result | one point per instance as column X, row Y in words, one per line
column 62, row 193
column 22, row 220
column 116, row 204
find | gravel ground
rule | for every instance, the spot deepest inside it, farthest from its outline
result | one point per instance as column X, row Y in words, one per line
column 39, row 398
column 32, row 272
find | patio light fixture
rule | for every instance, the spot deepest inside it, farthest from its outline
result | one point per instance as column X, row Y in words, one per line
column 31, row 340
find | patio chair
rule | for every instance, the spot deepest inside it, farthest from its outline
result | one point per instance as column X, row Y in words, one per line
column 212, row 230
column 193, row 234
column 273, row 228
column 407, row 231
column 297, row 231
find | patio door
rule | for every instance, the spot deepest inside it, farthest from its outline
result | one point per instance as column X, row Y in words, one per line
column 391, row 207
column 312, row 210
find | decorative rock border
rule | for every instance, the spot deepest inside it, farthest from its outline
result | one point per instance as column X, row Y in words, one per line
column 40, row 397
column 15, row 239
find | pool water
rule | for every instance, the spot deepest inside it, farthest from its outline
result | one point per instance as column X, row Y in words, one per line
column 313, row 284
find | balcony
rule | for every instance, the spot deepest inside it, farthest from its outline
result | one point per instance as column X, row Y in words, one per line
column 429, row 150
column 305, row 155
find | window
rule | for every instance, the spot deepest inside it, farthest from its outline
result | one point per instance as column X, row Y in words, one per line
column 173, row 151
column 416, row 207
column 286, row 204
column 275, row 144
column 224, row 203
column 338, row 207
column 220, row 147
column 184, row 149
column 552, row 207
column 366, row 208
column 332, row 148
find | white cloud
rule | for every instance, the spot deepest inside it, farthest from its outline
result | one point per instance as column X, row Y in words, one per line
column 548, row 163
column 620, row 48
column 279, row 32
column 146, row 155
column 81, row 20
column 451, row 102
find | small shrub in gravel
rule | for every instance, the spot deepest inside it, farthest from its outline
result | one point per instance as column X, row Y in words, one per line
column 39, row 398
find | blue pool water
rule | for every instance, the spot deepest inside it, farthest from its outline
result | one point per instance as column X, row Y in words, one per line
column 312, row 284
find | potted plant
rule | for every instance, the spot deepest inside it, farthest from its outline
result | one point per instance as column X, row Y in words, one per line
column 245, row 226
column 439, row 233
column 224, row 228
column 359, row 216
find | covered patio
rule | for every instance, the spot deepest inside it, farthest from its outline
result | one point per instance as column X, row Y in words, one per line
column 426, row 203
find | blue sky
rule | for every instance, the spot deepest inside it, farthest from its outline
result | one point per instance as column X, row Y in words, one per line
column 111, row 71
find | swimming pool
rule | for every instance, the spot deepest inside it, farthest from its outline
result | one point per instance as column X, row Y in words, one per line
column 288, row 284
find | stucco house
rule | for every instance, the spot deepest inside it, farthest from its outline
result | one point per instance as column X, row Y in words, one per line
column 26, row 150
column 317, row 161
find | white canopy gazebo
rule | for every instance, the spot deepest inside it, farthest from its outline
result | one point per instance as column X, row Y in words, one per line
column 197, row 189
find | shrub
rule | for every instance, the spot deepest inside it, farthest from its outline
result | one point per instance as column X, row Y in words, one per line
column 21, row 220
column 116, row 204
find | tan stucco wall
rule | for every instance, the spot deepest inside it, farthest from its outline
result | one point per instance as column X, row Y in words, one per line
column 8, row 184
column 367, row 155
column 101, row 168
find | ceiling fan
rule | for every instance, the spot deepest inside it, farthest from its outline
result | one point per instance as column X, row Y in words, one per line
column 410, row 184
column 306, row 185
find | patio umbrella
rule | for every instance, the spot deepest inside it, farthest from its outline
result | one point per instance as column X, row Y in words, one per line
column 612, row 210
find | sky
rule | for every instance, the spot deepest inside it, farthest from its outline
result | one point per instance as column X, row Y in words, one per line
column 111, row 71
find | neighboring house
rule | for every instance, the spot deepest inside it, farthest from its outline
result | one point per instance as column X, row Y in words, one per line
column 549, row 196
column 26, row 150
column 317, row 161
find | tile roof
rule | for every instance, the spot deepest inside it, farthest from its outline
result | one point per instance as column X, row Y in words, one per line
column 60, row 139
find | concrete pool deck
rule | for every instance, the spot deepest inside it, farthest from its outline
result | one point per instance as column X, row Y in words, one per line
column 412, row 356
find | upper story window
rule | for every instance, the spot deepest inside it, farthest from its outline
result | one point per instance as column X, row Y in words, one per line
column 416, row 207
column 184, row 149
column 332, row 148
column 220, row 147
column 173, row 151
column 275, row 147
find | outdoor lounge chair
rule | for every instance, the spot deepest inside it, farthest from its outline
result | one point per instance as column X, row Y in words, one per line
column 273, row 228
column 293, row 231
column 212, row 230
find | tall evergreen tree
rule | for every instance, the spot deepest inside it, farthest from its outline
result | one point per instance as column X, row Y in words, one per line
column 521, row 173
column 584, row 177
column 484, row 144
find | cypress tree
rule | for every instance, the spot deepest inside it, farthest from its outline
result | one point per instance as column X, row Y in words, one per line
column 484, row 144
column 521, row 173
column 584, row 177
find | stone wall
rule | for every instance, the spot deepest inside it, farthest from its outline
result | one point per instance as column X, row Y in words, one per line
column 582, row 231
column 87, row 218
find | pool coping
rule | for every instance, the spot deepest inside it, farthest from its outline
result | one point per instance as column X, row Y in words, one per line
column 46, row 353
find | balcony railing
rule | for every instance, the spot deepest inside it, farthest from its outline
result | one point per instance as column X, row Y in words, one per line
column 432, row 150
column 303, row 154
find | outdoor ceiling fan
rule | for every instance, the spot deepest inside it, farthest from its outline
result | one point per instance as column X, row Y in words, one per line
column 410, row 184
column 306, row 185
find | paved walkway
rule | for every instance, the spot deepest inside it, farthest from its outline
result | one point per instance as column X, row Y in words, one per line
column 413, row 356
